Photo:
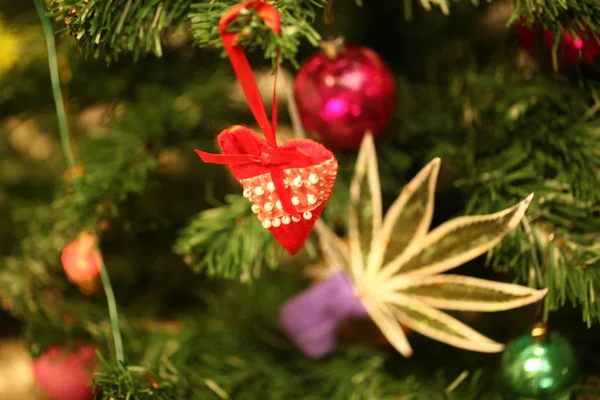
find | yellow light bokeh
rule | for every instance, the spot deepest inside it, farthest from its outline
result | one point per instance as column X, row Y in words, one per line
column 9, row 48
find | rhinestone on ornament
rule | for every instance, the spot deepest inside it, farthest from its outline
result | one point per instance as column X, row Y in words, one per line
column 276, row 222
column 247, row 193
column 295, row 201
column 268, row 206
column 259, row 191
column 286, row 220
column 266, row 223
column 307, row 215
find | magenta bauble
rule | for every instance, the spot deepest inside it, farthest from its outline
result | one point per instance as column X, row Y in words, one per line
column 66, row 375
column 573, row 49
column 343, row 92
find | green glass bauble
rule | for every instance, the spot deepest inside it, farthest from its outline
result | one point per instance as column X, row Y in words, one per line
column 539, row 366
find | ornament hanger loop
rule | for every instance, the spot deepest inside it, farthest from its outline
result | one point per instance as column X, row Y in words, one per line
column 241, row 65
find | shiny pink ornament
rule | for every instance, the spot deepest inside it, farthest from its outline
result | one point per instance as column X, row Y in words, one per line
column 572, row 50
column 343, row 92
column 64, row 375
column 81, row 258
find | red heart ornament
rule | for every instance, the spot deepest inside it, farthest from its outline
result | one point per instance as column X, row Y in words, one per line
column 309, row 171
column 287, row 185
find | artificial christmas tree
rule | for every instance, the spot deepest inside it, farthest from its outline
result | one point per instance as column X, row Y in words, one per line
column 100, row 188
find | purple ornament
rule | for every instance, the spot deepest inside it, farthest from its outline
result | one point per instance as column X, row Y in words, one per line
column 311, row 318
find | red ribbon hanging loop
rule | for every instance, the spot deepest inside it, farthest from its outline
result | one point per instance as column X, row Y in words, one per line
column 241, row 66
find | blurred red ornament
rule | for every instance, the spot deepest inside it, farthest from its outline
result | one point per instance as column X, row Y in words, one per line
column 81, row 260
column 66, row 375
column 572, row 50
column 343, row 92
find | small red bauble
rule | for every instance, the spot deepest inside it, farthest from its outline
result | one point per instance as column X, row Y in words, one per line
column 65, row 375
column 343, row 92
column 572, row 50
column 81, row 261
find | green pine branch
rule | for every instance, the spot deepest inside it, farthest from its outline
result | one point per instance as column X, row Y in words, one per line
column 116, row 168
column 504, row 135
column 228, row 241
column 44, row 230
column 557, row 15
column 554, row 15
column 577, row 17
column 111, row 28
column 296, row 19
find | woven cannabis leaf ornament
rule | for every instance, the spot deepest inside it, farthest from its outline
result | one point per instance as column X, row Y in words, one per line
column 390, row 268
column 287, row 185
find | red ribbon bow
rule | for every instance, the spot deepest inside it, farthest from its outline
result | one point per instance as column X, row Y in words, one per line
column 275, row 159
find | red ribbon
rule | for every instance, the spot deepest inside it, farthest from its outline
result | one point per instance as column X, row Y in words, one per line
column 276, row 159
